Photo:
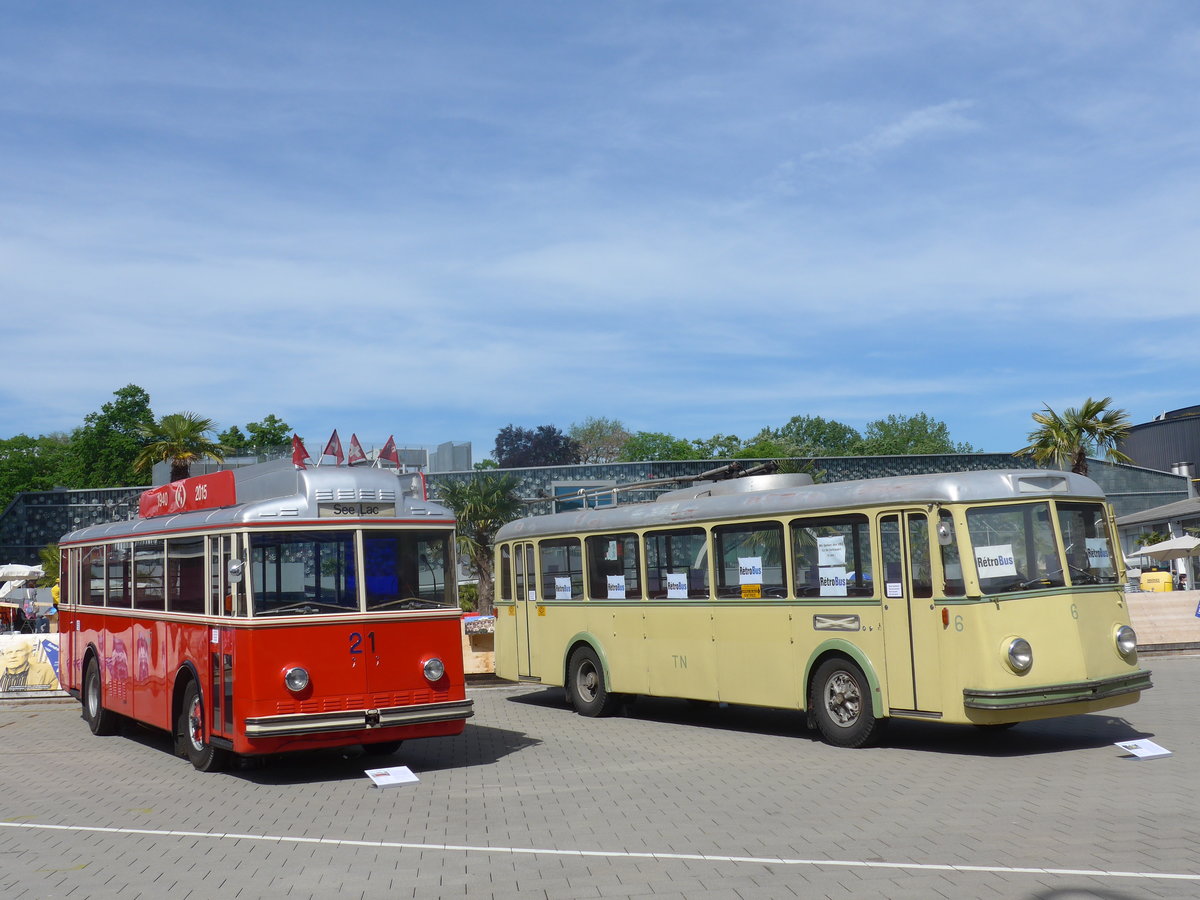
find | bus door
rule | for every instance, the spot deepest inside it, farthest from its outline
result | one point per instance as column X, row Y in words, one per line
column 227, row 599
column 910, row 622
column 525, row 600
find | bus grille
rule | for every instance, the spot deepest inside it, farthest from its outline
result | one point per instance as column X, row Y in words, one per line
column 358, row 701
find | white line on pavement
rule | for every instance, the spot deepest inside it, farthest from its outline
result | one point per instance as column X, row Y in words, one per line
column 611, row 854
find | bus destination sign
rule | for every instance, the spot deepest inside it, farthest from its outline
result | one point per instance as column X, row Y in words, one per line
column 358, row 510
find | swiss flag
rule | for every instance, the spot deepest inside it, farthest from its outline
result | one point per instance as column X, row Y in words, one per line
column 299, row 454
column 334, row 448
column 356, row 450
column 389, row 452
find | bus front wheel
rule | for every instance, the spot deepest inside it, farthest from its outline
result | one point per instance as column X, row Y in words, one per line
column 585, row 685
column 841, row 704
column 101, row 721
column 190, row 729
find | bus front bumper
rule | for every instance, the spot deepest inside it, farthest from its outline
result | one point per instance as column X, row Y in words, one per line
column 1057, row 694
column 357, row 719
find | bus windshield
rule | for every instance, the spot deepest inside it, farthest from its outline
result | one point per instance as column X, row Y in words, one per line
column 1014, row 547
column 1086, row 539
column 315, row 573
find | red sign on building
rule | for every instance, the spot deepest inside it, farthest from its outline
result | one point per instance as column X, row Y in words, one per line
column 200, row 492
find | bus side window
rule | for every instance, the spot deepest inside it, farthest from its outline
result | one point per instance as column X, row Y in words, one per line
column 613, row 570
column 749, row 559
column 506, row 579
column 832, row 556
column 951, row 561
column 677, row 564
column 562, row 569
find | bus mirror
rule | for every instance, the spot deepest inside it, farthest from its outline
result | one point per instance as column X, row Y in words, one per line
column 945, row 533
column 237, row 569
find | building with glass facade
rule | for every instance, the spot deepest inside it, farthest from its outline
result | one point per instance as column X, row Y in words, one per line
column 36, row 519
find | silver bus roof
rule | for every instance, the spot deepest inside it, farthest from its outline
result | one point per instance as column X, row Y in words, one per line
column 702, row 503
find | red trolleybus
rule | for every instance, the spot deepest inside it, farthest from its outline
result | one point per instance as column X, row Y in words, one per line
column 269, row 609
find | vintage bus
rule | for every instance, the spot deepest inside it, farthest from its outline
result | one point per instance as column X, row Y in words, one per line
column 989, row 597
column 269, row 609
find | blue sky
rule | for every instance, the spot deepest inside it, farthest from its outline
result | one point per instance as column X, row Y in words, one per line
column 433, row 220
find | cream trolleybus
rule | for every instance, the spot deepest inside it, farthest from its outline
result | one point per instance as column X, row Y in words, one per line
column 990, row 597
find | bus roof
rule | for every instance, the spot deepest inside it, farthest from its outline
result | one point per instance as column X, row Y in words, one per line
column 724, row 500
column 277, row 493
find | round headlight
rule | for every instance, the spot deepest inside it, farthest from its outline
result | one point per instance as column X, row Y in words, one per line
column 434, row 669
column 1126, row 640
column 296, row 678
column 1020, row 655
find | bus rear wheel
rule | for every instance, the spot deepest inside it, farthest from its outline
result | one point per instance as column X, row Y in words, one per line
column 585, row 685
column 101, row 721
column 190, row 730
column 841, row 704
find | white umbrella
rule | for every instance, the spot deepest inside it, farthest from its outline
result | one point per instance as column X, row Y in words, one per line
column 1175, row 548
column 18, row 572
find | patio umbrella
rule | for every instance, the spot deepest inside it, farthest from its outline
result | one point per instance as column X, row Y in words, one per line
column 1175, row 548
column 18, row 572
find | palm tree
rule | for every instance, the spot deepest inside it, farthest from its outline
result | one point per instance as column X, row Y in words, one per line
column 181, row 438
column 1071, row 438
column 481, row 505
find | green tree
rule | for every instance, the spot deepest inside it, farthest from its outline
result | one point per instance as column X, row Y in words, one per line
column 33, row 464
column 655, row 446
column 544, row 446
column 482, row 505
column 50, row 562
column 104, row 448
column 1069, row 439
column 815, row 436
column 719, row 446
column 234, row 441
column 600, row 440
column 899, row 435
column 269, row 433
column 180, row 438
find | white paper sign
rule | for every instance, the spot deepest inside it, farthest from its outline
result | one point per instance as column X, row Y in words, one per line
column 833, row 581
column 616, row 587
column 562, row 587
column 392, row 776
column 1143, row 749
column 1097, row 553
column 995, row 561
column 750, row 570
column 831, row 551
column 677, row 588
column 894, row 589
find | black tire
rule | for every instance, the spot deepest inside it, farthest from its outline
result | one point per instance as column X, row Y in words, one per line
column 100, row 720
column 841, row 704
column 190, row 731
column 383, row 748
column 585, row 685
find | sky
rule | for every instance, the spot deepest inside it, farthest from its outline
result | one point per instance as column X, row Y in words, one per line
column 436, row 220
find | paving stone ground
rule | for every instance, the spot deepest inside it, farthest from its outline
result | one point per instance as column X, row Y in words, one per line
column 665, row 801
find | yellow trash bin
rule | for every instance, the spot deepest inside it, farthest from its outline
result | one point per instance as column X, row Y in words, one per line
column 1157, row 581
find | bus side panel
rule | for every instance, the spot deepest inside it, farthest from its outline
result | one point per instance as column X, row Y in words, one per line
column 622, row 629
column 118, row 664
column 506, row 640
column 681, row 659
column 756, row 662
column 552, row 625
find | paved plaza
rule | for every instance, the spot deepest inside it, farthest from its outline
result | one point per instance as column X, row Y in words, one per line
column 669, row 800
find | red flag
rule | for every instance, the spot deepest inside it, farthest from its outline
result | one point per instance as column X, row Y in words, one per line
column 356, row 450
column 334, row 448
column 299, row 454
column 389, row 452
